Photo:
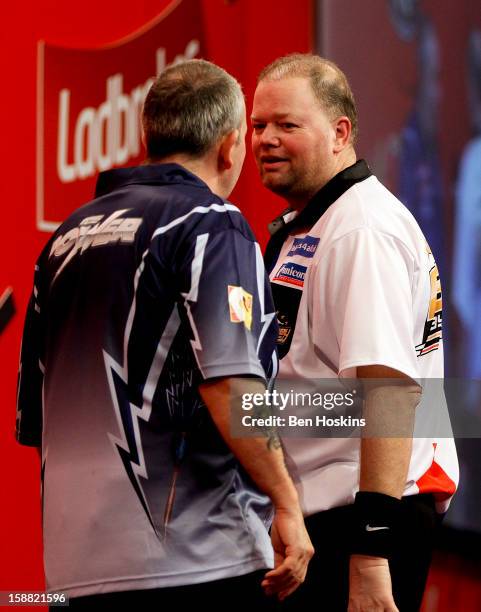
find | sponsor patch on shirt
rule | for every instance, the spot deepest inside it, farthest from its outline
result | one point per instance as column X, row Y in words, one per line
column 433, row 327
column 285, row 328
column 291, row 273
column 240, row 305
column 304, row 247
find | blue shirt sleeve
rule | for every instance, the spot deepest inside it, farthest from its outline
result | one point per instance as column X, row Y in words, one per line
column 228, row 305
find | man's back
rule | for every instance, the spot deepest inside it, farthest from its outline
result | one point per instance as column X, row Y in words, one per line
column 139, row 489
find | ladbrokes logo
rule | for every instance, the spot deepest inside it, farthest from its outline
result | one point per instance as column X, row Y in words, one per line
column 89, row 103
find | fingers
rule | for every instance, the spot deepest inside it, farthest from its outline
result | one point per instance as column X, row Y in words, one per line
column 286, row 577
column 292, row 552
column 281, row 589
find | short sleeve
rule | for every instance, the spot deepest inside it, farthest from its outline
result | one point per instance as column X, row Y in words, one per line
column 228, row 305
column 368, row 291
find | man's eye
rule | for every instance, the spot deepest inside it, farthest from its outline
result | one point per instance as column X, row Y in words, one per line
column 288, row 126
column 257, row 127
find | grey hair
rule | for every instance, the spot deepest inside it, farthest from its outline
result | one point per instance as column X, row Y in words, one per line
column 189, row 107
column 329, row 84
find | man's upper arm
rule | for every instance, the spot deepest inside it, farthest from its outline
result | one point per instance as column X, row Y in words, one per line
column 228, row 305
column 369, row 291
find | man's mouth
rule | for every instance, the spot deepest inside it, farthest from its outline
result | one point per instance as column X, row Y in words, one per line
column 270, row 162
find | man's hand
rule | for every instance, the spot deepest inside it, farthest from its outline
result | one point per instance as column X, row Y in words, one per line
column 370, row 587
column 292, row 553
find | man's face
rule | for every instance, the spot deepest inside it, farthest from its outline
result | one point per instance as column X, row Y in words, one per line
column 293, row 139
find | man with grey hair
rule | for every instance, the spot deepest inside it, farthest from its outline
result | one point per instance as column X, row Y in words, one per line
column 358, row 296
column 149, row 305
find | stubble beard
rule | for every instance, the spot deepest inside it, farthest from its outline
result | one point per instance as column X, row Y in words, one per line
column 288, row 186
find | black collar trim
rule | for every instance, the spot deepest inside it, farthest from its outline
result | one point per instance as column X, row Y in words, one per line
column 326, row 196
column 314, row 210
column 148, row 174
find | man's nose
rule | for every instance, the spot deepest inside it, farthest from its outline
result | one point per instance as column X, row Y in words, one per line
column 270, row 136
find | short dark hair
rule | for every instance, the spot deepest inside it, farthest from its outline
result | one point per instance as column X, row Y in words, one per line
column 328, row 82
column 189, row 107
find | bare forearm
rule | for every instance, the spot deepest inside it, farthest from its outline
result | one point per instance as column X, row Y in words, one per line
column 390, row 400
column 384, row 465
column 386, row 446
column 262, row 460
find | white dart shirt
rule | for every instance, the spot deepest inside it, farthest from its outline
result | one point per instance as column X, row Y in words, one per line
column 355, row 284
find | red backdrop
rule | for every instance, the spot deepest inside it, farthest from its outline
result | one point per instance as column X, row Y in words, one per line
column 240, row 35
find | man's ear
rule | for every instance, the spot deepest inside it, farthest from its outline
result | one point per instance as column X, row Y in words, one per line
column 343, row 129
column 225, row 158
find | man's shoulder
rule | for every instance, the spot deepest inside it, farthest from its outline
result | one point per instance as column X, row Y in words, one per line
column 370, row 206
column 370, row 196
column 162, row 198
column 363, row 205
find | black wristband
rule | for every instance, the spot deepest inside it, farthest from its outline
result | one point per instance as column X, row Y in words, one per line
column 377, row 521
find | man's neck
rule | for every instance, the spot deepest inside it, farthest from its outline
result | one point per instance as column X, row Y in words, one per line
column 202, row 167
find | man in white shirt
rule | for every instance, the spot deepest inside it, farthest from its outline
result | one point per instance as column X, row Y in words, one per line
column 357, row 295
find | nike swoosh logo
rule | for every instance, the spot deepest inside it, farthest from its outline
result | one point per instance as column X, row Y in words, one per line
column 369, row 528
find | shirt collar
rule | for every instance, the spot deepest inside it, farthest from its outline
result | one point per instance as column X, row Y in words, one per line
column 282, row 226
column 149, row 174
column 326, row 196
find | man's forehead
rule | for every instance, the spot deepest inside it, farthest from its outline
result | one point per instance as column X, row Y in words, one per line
column 280, row 94
column 295, row 107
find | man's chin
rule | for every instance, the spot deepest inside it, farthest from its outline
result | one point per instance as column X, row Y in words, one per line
column 275, row 185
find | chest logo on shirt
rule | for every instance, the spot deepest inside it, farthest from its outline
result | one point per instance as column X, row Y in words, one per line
column 433, row 328
column 304, row 247
column 291, row 273
column 240, row 305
